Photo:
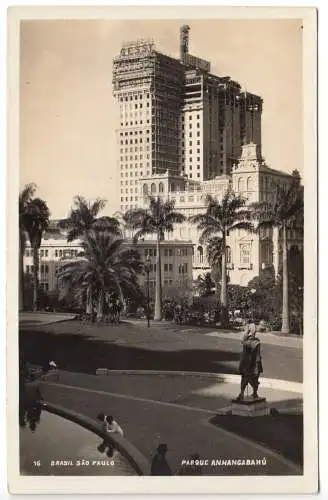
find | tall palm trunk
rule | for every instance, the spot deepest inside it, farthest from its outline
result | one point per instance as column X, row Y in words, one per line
column 35, row 277
column 100, row 308
column 89, row 301
column 158, row 294
column 120, row 291
column 21, row 271
column 285, row 302
column 224, row 284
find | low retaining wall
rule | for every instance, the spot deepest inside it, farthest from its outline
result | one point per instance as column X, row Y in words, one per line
column 127, row 450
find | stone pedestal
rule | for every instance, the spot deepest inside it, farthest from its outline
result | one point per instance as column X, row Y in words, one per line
column 249, row 407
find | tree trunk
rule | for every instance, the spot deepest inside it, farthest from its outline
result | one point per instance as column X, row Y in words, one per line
column 285, row 302
column 89, row 301
column 21, row 271
column 35, row 278
column 224, row 285
column 158, row 295
column 100, row 308
column 120, row 291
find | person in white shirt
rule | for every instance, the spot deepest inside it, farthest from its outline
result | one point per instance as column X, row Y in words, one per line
column 113, row 426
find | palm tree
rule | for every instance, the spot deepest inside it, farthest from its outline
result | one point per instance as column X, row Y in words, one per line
column 82, row 218
column 284, row 211
column 25, row 197
column 157, row 219
column 220, row 219
column 35, row 223
column 204, row 284
column 104, row 265
column 214, row 257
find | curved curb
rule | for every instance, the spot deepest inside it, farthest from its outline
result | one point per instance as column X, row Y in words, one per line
column 138, row 462
column 230, row 378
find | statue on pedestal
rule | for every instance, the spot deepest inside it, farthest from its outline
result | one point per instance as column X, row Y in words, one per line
column 250, row 366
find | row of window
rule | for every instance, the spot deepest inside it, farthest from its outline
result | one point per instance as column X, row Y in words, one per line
column 241, row 184
column 131, row 198
column 58, row 253
column 29, row 253
column 190, row 126
column 136, row 122
column 131, row 191
column 132, row 141
column 168, row 252
column 168, row 268
column 131, row 97
column 127, row 182
column 198, row 134
column 44, row 269
column 190, row 144
column 244, row 249
column 167, row 282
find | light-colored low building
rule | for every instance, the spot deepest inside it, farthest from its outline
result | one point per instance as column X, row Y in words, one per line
column 176, row 257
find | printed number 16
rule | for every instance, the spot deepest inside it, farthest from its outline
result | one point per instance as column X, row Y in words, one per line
column 36, row 463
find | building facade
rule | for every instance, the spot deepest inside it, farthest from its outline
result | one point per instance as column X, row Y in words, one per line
column 176, row 257
column 177, row 117
column 248, row 253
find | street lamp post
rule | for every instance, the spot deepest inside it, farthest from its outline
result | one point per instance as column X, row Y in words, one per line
column 147, row 267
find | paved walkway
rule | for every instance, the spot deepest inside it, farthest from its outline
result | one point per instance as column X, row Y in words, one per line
column 29, row 318
column 174, row 410
column 266, row 338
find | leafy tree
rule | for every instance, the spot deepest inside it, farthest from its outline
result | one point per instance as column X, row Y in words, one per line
column 157, row 219
column 284, row 211
column 104, row 266
column 220, row 219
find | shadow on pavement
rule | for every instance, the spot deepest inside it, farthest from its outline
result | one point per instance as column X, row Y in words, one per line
column 82, row 353
column 281, row 432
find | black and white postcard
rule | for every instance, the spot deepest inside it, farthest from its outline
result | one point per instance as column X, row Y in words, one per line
column 162, row 262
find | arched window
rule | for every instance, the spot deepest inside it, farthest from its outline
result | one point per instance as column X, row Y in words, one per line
column 249, row 184
column 153, row 188
column 161, row 187
column 240, row 185
column 145, row 189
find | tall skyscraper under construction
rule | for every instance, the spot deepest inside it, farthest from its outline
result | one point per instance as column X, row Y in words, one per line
column 176, row 116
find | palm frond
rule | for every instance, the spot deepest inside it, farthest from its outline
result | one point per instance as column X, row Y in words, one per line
column 243, row 225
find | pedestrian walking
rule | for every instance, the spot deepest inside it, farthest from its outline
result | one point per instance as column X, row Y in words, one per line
column 159, row 465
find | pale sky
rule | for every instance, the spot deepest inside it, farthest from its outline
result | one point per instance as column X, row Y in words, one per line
column 68, row 115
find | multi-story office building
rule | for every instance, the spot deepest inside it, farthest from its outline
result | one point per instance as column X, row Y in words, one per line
column 203, row 134
column 176, row 116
